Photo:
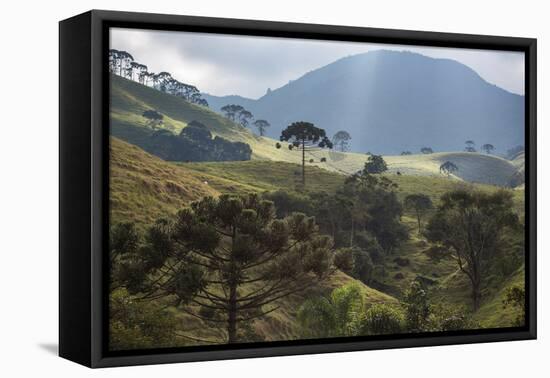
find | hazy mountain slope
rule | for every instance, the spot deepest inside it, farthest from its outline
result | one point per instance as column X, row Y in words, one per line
column 393, row 101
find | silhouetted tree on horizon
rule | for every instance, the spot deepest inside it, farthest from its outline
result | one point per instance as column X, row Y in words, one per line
column 306, row 136
column 341, row 140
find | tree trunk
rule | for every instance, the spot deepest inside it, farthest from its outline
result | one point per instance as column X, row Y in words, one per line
column 351, row 234
column 418, row 218
column 232, row 315
column 304, row 164
column 476, row 296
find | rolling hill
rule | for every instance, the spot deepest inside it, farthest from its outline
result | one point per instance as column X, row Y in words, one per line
column 129, row 100
column 393, row 101
column 144, row 188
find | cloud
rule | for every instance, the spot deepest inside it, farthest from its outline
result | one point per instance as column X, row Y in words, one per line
column 246, row 65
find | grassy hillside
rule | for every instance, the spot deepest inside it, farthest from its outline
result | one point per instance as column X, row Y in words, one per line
column 144, row 187
column 129, row 100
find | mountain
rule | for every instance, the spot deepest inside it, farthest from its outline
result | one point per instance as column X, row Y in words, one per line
column 393, row 101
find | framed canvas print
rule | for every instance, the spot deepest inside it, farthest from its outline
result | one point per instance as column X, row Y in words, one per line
column 233, row 188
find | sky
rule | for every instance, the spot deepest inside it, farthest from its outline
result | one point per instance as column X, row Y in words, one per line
column 247, row 66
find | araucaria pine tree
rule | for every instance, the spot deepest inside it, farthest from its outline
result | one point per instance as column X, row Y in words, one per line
column 228, row 261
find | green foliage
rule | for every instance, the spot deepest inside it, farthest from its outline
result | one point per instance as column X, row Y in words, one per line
column 306, row 136
column 444, row 317
column 427, row 150
column 448, row 168
column 420, row 204
column 382, row 319
column 343, row 260
column 154, row 118
column 472, row 225
column 417, row 307
column 287, row 202
column 515, row 297
column 194, row 143
column 338, row 315
column 214, row 248
column 375, row 165
column 139, row 324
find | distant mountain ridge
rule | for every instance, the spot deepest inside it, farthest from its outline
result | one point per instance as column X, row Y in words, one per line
column 393, row 101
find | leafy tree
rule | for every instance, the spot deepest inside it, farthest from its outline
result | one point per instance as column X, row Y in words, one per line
column 445, row 317
column 287, row 202
column 341, row 140
column 404, row 153
column 306, row 136
column 355, row 262
column 471, row 226
column 338, row 315
column 154, row 118
column 232, row 111
column 448, row 168
column 374, row 208
column 139, row 324
column 261, row 125
column 470, row 146
column 124, row 242
column 382, row 319
column 488, row 148
column 417, row 307
column 515, row 298
column 420, row 204
column 211, row 254
column 426, row 150
column 375, row 165
column 343, row 260
column 197, row 131
column 244, row 117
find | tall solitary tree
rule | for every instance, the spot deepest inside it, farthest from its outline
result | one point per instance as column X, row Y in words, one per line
column 227, row 261
column 420, row 204
column 341, row 140
column 471, row 225
column 488, row 148
column 306, row 136
column 261, row 125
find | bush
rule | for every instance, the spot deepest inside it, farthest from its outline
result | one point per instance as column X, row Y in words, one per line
column 417, row 308
column 382, row 319
column 399, row 276
column 287, row 202
column 515, row 297
column 402, row 261
column 444, row 317
column 343, row 260
column 138, row 325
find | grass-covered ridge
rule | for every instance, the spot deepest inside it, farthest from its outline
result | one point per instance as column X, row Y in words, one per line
column 144, row 187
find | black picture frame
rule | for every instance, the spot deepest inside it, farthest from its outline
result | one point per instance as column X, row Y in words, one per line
column 83, row 181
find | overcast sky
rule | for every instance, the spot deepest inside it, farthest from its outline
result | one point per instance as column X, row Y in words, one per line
column 247, row 66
